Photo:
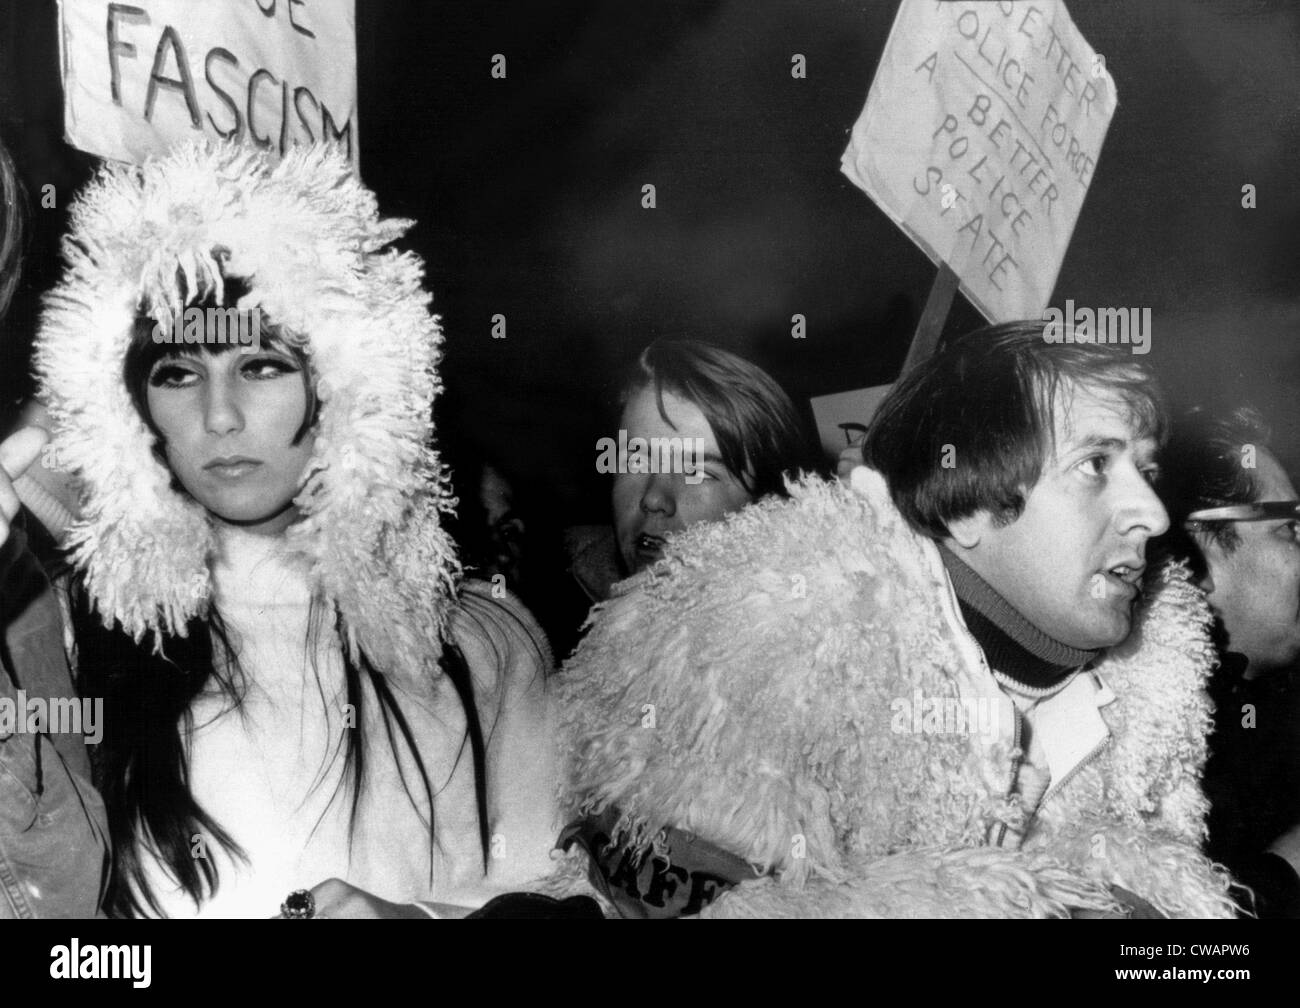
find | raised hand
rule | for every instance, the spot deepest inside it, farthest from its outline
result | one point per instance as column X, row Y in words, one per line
column 17, row 453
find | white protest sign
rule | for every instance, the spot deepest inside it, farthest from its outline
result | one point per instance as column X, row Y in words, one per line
column 840, row 414
column 980, row 138
column 139, row 77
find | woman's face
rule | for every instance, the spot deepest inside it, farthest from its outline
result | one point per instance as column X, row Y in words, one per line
column 650, row 506
column 228, row 421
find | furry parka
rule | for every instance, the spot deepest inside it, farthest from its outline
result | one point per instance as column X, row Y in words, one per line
column 770, row 651
column 306, row 239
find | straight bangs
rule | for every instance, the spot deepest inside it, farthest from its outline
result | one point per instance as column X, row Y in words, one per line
column 147, row 350
column 990, row 398
column 760, row 437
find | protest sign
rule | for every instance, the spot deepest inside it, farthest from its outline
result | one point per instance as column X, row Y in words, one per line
column 139, row 77
column 980, row 138
column 841, row 416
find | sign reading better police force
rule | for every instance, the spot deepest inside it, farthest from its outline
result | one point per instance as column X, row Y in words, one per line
column 141, row 76
column 980, row 138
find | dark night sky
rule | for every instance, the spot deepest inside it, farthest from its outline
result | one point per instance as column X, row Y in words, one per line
column 528, row 195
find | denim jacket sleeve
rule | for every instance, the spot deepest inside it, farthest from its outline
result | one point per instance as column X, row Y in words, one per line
column 53, row 828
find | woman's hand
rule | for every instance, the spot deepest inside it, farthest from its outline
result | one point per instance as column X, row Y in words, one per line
column 17, row 453
column 335, row 898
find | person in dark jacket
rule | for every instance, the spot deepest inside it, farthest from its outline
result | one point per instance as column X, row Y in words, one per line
column 53, row 828
column 1236, row 516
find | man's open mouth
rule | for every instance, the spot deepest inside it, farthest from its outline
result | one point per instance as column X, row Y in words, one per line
column 648, row 547
column 1127, row 576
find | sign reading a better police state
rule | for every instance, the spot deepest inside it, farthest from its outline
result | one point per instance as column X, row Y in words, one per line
column 139, row 77
column 980, row 138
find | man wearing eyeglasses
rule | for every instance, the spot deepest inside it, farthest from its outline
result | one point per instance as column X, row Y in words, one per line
column 1235, row 514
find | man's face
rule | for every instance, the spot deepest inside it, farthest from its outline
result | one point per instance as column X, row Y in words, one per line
column 650, row 506
column 1072, row 563
column 1255, row 587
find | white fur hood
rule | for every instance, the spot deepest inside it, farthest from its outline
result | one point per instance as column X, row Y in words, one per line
column 307, row 238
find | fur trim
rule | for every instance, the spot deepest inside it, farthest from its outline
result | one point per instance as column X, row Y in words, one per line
column 976, row 882
column 771, row 648
column 308, row 239
column 1135, row 817
column 744, row 749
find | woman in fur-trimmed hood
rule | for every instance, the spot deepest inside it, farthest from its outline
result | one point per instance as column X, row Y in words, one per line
column 268, row 600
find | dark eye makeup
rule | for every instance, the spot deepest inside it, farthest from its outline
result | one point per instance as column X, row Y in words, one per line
column 170, row 372
column 176, row 372
column 268, row 366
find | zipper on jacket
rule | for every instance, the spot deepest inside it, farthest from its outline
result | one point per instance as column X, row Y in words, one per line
column 1017, row 750
column 1018, row 753
column 1017, row 761
column 1056, row 786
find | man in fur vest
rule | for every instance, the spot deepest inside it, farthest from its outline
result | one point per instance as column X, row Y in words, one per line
column 948, row 686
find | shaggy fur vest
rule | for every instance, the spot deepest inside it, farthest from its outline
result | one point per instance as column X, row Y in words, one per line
column 746, row 691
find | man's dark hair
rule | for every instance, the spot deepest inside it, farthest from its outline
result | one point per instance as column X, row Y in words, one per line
column 970, row 428
column 1202, row 467
column 760, row 436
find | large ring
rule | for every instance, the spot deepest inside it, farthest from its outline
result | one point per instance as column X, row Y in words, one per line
column 299, row 905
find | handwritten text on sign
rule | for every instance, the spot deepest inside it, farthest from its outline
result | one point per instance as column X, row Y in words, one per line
column 140, row 76
column 980, row 138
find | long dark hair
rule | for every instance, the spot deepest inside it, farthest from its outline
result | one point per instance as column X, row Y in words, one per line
column 141, row 766
column 760, row 437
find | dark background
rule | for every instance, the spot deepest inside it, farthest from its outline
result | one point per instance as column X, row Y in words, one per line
column 528, row 192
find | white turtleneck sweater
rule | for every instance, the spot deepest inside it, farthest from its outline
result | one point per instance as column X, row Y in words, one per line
column 271, row 772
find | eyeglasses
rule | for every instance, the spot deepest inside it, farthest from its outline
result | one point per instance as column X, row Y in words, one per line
column 1258, row 511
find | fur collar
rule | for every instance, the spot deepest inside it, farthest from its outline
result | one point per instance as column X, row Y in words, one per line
column 743, row 691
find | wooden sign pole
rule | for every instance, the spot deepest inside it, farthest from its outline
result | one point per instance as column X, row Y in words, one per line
column 924, row 340
column 930, row 327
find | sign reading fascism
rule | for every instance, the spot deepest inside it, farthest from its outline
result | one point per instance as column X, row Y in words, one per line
column 138, row 77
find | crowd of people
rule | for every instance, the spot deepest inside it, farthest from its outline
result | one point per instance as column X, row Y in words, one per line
column 1030, row 655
